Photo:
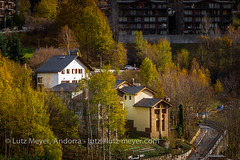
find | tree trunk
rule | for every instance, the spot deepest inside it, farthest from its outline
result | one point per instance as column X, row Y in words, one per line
column 103, row 148
column 109, row 135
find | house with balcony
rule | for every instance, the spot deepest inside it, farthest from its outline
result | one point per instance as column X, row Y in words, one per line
column 199, row 16
column 150, row 17
column 159, row 18
column 7, row 8
column 146, row 115
column 62, row 69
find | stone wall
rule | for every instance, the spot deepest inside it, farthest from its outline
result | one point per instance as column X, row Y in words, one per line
column 177, row 39
column 183, row 156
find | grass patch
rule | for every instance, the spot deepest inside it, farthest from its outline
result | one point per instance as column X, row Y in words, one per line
column 236, row 21
column 28, row 52
column 124, row 150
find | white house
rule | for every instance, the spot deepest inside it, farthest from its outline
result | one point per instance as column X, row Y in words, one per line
column 62, row 69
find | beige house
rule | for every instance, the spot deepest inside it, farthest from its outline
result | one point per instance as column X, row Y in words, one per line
column 146, row 115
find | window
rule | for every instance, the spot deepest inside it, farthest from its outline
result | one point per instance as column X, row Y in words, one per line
column 163, row 122
column 164, row 111
column 146, row 26
column 156, row 111
column 146, row 19
column 217, row 19
column 68, row 71
column 198, row 19
column 64, row 81
column 125, row 97
column 79, row 71
column 211, row 5
column 74, row 71
column 139, row 26
column 227, row 5
column 39, row 79
column 63, row 71
column 74, row 81
column 188, row 12
column 152, row 19
column 122, row 19
column 130, row 97
column 157, row 125
column 133, row 26
column 152, row 26
column 204, row 12
column 133, row 12
column 187, row 19
column 137, row 19
column 162, row 19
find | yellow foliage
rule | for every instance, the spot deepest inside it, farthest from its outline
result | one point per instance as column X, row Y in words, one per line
column 218, row 86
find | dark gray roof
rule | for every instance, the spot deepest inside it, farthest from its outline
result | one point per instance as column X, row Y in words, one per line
column 119, row 82
column 131, row 89
column 56, row 64
column 147, row 102
column 65, row 87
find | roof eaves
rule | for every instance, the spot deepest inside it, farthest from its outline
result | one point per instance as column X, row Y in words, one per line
column 126, row 82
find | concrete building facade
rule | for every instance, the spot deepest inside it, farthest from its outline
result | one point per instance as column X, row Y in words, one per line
column 171, row 17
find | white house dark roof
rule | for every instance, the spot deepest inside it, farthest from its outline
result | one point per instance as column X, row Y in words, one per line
column 147, row 102
column 65, row 87
column 134, row 89
column 131, row 89
column 58, row 63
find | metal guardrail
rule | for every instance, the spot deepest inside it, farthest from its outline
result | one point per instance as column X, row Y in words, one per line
column 222, row 132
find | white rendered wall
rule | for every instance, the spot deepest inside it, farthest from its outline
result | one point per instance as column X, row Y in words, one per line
column 49, row 79
column 75, row 64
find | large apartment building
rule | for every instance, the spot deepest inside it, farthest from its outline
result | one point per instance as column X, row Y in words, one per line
column 148, row 16
column 201, row 16
column 7, row 8
column 161, row 17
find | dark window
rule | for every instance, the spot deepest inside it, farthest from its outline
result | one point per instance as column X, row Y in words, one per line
column 125, row 97
column 164, row 111
column 79, row 71
column 65, row 82
column 74, row 81
column 163, row 122
column 68, row 71
column 156, row 111
column 39, row 79
column 130, row 97
column 157, row 125
column 63, row 71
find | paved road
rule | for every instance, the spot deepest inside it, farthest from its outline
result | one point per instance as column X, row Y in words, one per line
column 205, row 138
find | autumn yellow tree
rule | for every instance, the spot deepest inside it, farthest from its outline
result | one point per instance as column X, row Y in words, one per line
column 46, row 9
column 23, row 116
column 119, row 56
column 90, row 27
